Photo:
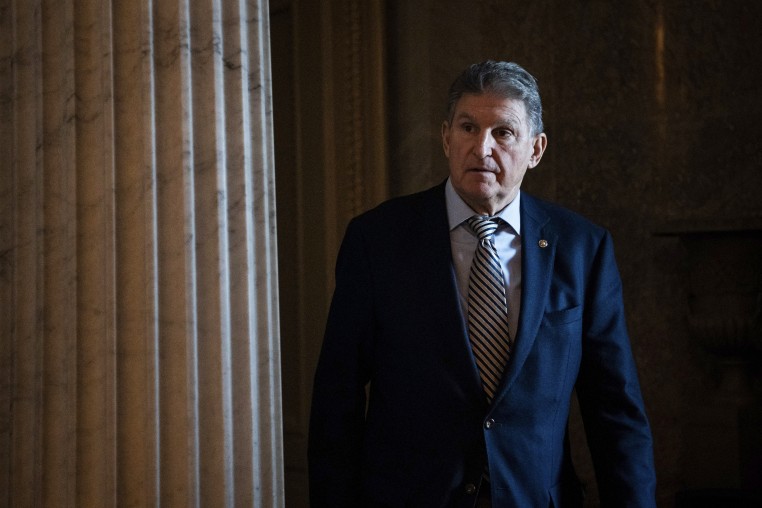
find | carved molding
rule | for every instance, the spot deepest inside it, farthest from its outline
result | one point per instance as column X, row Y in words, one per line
column 359, row 104
column 332, row 109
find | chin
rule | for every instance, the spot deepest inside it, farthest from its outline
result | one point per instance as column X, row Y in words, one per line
column 481, row 191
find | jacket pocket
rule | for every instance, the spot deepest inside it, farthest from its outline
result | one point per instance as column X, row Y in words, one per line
column 563, row 316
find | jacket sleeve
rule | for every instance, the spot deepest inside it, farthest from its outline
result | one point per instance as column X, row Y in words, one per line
column 612, row 407
column 337, row 419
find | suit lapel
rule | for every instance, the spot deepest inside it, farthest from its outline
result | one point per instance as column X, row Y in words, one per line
column 538, row 247
column 443, row 309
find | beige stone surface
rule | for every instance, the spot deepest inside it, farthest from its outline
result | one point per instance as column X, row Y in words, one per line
column 139, row 347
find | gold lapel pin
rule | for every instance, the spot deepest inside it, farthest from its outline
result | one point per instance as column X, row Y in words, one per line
column 543, row 243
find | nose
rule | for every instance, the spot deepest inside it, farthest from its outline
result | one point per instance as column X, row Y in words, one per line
column 484, row 145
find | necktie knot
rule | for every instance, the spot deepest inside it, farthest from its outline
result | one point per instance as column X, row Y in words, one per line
column 483, row 226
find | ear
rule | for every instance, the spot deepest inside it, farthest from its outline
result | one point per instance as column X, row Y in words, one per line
column 446, row 138
column 538, row 148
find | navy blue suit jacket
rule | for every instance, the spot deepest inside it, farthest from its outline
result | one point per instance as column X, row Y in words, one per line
column 424, row 432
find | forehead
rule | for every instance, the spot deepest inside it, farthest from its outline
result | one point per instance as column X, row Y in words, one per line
column 490, row 107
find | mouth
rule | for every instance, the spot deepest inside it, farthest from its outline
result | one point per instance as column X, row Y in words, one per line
column 482, row 170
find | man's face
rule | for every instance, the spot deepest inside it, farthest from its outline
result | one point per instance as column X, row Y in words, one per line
column 490, row 146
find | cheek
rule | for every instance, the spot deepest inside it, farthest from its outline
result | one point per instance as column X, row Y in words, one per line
column 513, row 163
column 507, row 165
column 458, row 157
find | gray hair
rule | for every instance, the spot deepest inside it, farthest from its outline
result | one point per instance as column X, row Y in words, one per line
column 506, row 79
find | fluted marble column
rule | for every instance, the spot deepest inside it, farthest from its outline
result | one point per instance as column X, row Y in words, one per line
column 139, row 338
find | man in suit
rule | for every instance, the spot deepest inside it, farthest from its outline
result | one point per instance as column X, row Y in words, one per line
column 462, row 319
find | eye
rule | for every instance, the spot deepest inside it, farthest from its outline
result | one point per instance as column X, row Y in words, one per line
column 503, row 133
column 467, row 127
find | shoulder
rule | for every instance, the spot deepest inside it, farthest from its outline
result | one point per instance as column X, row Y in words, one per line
column 399, row 212
column 559, row 218
column 577, row 234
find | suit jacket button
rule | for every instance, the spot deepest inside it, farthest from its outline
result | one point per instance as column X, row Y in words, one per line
column 489, row 423
column 470, row 489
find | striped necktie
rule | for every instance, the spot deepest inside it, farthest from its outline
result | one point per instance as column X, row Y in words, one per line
column 487, row 307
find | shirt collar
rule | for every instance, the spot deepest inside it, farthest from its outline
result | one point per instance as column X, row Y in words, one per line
column 458, row 211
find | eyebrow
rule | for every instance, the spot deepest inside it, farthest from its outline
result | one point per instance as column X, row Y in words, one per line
column 507, row 121
column 463, row 116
